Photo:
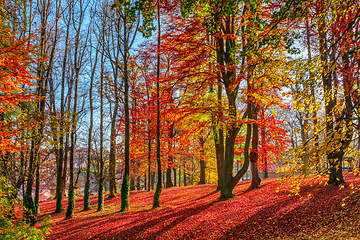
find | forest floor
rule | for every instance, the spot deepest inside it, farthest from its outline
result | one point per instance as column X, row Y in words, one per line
column 273, row 211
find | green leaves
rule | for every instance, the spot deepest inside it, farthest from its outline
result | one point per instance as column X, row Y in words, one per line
column 131, row 9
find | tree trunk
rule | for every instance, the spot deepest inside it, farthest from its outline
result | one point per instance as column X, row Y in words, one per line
column 125, row 187
column 149, row 165
column 37, row 184
column 202, row 161
column 185, row 183
column 138, row 187
column 60, row 157
column 174, row 170
column 152, row 180
column 89, row 152
column 28, row 200
column 112, row 162
column 255, row 179
column 100, row 206
column 157, row 194
column 169, row 183
column 132, row 184
column 77, row 64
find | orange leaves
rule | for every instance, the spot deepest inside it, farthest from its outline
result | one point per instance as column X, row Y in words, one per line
column 14, row 77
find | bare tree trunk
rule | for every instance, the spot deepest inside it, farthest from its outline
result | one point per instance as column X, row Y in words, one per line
column 157, row 194
column 125, row 187
column 101, row 160
column 77, row 65
column 89, row 153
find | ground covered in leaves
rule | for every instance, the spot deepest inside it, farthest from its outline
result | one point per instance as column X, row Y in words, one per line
column 318, row 211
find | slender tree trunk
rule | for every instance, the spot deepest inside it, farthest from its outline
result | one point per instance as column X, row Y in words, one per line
column 125, row 187
column 112, row 162
column 100, row 206
column 149, row 160
column 263, row 138
column 89, row 153
column 157, row 194
column 185, row 183
column 37, row 184
column 202, row 161
column 65, row 127
column 174, row 170
column 146, row 182
column 77, row 62
column 60, row 160
column 28, row 200
column 170, row 164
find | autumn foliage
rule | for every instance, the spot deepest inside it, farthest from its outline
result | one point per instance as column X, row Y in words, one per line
column 15, row 58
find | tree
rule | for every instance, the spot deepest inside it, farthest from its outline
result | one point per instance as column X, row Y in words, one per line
column 78, row 63
column 327, row 141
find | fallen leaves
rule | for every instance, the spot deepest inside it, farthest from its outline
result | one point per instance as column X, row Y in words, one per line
column 196, row 213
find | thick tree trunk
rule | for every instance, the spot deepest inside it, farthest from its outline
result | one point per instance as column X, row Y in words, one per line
column 138, row 187
column 313, row 97
column 132, row 184
column 152, row 180
column 169, row 183
column 255, row 180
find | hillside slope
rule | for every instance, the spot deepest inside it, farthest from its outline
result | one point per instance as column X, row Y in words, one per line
column 271, row 212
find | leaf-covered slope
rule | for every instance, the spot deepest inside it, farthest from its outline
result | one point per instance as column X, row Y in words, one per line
column 196, row 213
